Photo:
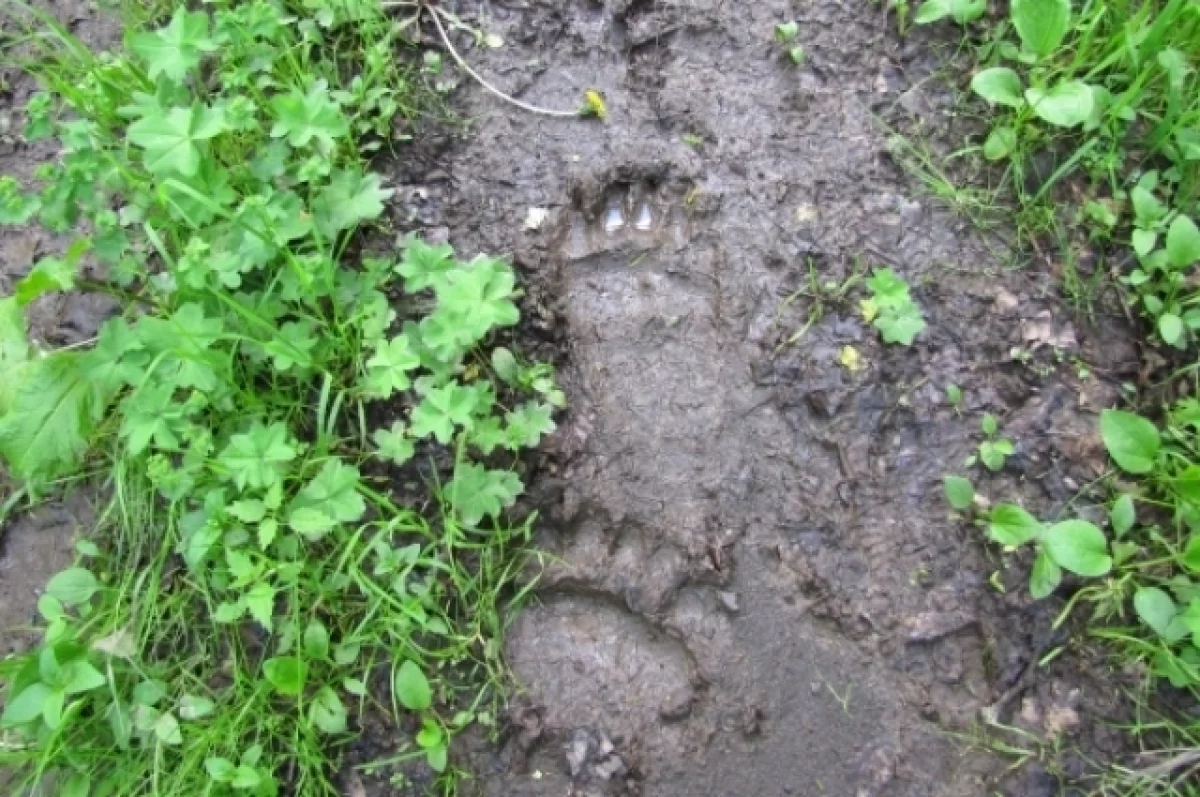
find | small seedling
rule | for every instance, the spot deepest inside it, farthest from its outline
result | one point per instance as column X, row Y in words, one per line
column 993, row 450
column 786, row 34
column 954, row 397
column 891, row 309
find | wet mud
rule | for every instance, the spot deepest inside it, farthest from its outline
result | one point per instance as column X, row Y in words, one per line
column 758, row 587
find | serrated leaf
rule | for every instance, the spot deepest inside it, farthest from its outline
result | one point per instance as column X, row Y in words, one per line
column 411, row 687
column 900, row 324
column 393, row 444
column 175, row 50
column 259, row 600
column 999, row 86
column 1041, row 24
column 441, row 409
column 1078, row 546
column 259, row 457
column 527, row 424
column 172, row 140
column 389, row 367
column 333, row 491
column 306, row 117
column 1132, row 441
column 1012, row 526
column 424, row 266
column 16, row 207
column 960, row 493
column 350, row 199
column 471, row 302
column 251, row 510
column 1067, row 104
column 287, row 674
column 73, row 587
column 476, row 492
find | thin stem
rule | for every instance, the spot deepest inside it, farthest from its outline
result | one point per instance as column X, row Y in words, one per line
column 436, row 15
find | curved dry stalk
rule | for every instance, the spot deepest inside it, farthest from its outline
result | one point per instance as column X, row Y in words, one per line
column 458, row 59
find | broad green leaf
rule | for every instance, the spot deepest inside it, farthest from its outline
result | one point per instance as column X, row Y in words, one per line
column 441, row 409
column 172, row 140
column 900, row 324
column 327, row 712
column 219, row 769
column 1041, row 24
column 310, row 522
column 78, row 785
column 81, row 677
column 389, row 367
column 1191, row 553
column 49, row 275
column 73, row 587
column 1045, row 576
column 887, row 289
column 472, row 301
column 425, row 266
column 1012, row 526
column 393, row 444
column 999, row 86
column 334, row 491
column 245, row 778
column 175, row 50
column 259, row 457
column 1000, row 143
column 960, row 493
column 287, row 674
column 527, row 424
column 1170, row 327
column 1156, row 609
column 1187, row 484
column 260, row 602
column 437, row 758
column 25, row 707
column 476, row 492
column 149, row 692
column 350, row 199
column 250, row 510
column 194, row 707
column 961, row 11
column 1067, row 104
column 1143, row 241
column 412, row 688
column 304, row 118
column 316, row 640
column 1078, row 546
column 1147, row 209
column 167, row 729
column 505, row 365
column 1183, row 242
column 1122, row 515
column 1131, row 440
column 16, row 207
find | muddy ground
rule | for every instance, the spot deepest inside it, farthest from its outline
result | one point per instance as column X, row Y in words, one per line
column 763, row 591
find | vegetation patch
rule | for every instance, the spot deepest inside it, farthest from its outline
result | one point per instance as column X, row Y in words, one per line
column 310, row 449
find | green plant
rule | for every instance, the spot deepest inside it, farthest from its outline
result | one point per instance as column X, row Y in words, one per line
column 786, row 34
column 993, row 450
column 891, row 309
column 267, row 379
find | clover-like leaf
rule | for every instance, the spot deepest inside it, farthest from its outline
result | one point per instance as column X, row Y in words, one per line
column 441, row 410
column 527, row 424
column 424, row 266
column 333, row 491
column 388, row 368
column 393, row 444
column 172, row 139
column 176, row 49
column 351, row 198
column 258, row 458
column 305, row 117
column 476, row 492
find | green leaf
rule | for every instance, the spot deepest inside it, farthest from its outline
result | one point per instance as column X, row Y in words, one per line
column 1041, row 24
column 437, row 758
column 471, row 302
column 389, row 366
column 1078, row 546
column 505, row 365
column 260, row 601
column 527, row 424
column 49, row 275
column 441, row 409
column 350, row 199
column 15, row 206
column 176, row 49
column 1183, row 242
column 962, row 11
column 1068, row 104
column 73, row 587
column 219, row 769
column 900, row 324
column 1122, row 515
column 149, row 692
column 78, row 785
column 1131, row 440
column 327, row 712
column 787, row 32
column 1191, row 553
column 316, row 640
column 1012, row 526
column 1187, row 484
column 245, row 778
column 1156, row 609
column 287, row 674
column 82, row 677
column 172, row 140
column 393, row 444
column 1170, row 327
column 475, row 492
column 1045, row 576
column 194, row 707
column 167, row 729
column 250, row 510
column 425, row 266
column 258, row 458
column 334, row 491
column 960, row 493
column 26, row 706
column 887, row 289
column 412, row 688
column 307, row 117
column 1147, row 209
column 999, row 86
column 1143, row 241
column 1000, row 143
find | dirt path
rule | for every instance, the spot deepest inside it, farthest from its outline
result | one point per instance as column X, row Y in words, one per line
column 763, row 592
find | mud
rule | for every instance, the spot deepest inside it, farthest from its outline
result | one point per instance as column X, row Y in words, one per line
column 762, row 591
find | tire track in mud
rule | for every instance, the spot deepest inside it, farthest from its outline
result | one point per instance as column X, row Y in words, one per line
column 761, row 592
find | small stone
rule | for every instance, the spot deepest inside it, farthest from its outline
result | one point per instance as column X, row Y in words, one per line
column 536, row 218
column 577, row 751
column 730, row 601
column 609, row 768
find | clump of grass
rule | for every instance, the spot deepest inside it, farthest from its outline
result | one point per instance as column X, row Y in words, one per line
column 253, row 586
column 1110, row 90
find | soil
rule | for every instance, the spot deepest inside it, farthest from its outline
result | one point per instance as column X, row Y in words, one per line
column 761, row 589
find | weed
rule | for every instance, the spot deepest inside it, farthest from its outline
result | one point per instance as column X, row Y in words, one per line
column 251, row 578
column 993, row 450
column 891, row 309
